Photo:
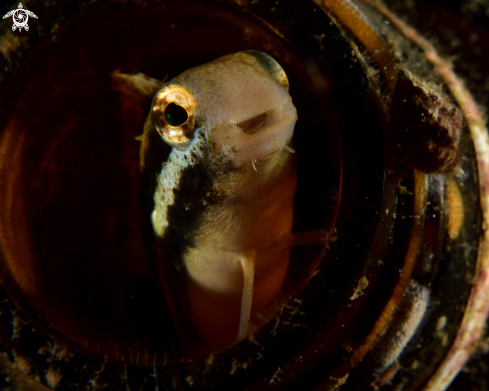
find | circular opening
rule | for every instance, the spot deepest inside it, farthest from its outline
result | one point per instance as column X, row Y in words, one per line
column 83, row 263
column 83, row 254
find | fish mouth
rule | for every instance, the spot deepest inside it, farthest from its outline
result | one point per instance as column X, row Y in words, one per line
column 268, row 119
column 252, row 125
column 256, row 126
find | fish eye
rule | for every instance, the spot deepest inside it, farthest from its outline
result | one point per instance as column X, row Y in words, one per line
column 175, row 115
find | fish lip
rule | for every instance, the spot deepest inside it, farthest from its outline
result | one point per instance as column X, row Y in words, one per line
column 246, row 117
column 230, row 133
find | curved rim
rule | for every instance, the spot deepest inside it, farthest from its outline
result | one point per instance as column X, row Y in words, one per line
column 477, row 309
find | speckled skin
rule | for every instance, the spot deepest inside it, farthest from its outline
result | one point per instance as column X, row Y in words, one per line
column 224, row 197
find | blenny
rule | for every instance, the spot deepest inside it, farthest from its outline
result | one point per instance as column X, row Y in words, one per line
column 223, row 199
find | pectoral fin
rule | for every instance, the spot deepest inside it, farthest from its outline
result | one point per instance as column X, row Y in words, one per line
column 248, row 264
column 247, row 261
column 299, row 239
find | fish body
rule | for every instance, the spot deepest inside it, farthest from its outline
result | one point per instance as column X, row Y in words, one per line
column 224, row 197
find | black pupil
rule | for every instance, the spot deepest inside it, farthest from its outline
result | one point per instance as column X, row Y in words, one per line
column 175, row 115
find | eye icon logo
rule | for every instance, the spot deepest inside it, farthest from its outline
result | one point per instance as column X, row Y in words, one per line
column 20, row 16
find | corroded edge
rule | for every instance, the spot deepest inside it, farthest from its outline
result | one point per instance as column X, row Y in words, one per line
column 477, row 308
